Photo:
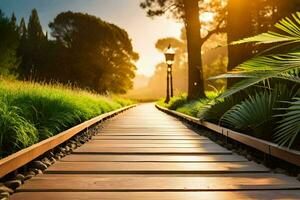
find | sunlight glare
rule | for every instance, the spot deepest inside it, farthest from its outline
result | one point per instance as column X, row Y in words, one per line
column 207, row 17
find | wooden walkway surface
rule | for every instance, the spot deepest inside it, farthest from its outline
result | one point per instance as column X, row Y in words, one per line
column 144, row 154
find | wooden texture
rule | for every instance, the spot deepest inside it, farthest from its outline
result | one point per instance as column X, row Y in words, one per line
column 146, row 154
column 213, row 195
column 207, row 150
column 146, row 168
column 153, row 183
column 152, row 158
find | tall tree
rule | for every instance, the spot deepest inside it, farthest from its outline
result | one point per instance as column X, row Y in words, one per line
column 8, row 46
column 31, row 49
column 98, row 55
column 195, row 71
column 35, row 30
column 13, row 21
column 22, row 28
column 189, row 11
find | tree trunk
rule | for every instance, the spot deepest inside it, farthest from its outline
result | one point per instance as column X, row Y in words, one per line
column 195, row 72
column 239, row 26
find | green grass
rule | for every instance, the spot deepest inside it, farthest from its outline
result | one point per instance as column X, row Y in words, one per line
column 31, row 112
column 181, row 104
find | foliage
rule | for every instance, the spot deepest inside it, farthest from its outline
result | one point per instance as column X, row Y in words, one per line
column 262, row 72
column 192, row 107
column 177, row 102
column 32, row 48
column 289, row 127
column 215, row 109
column 255, row 114
column 263, row 68
column 256, row 17
column 100, row 58
column 31, row 112
column 182, row 104
column 16, row 131
column 8, row 46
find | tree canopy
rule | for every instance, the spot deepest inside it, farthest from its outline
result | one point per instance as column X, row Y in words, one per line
column 101, row 57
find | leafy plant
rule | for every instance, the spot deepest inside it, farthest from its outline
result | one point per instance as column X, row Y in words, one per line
column 252, row 114
column 262, row 69
column 289, row 127
column 262, row 72
column 215, row 109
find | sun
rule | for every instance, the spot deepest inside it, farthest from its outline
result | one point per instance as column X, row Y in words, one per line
column 207, row 17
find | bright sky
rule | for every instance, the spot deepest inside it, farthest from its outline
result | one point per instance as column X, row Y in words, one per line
column 127, row 14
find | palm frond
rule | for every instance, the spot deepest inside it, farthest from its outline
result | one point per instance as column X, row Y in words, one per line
column 289, row 28
column 260, row 69
column 289, row 127
column 250, row 113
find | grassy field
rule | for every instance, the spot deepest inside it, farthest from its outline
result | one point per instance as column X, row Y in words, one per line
column 31, row 112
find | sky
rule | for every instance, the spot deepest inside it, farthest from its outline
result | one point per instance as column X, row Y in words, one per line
column 127, row 14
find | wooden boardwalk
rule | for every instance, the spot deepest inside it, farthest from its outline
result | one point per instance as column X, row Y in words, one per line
column 144, row 154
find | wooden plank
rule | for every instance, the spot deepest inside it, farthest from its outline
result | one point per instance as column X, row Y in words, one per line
column 104, row 137
column 147, row 134
column 220, row 195
column 77, row 183
column 152, row 158
column 147, row 167
column 158, row 133
column 143, row 145
column 204, row 150
column 150, row 141
column 145, row 127
column 24, row 156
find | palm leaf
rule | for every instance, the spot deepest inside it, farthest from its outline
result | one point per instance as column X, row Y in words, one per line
column 260, row 69
column 250, row 113
column 289, row 128
column 289, row 28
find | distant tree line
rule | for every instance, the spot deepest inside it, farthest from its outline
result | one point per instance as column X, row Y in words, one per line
column 82, row 50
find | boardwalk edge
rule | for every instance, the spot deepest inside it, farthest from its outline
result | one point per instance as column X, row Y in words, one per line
column 288, row 155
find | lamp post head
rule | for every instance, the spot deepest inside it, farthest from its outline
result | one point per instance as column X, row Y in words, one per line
column 170, row 55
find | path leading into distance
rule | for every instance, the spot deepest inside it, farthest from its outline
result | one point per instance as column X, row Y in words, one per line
column 145, row 154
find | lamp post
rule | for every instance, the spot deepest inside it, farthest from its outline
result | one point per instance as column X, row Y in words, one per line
column 169, row 55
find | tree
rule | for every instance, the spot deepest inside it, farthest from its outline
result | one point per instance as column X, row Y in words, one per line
column 22, row 28
column 31, row 47
column 189, row 11
column 97, row 55
column 35, row 30
column 13, row 21
column 8, row 46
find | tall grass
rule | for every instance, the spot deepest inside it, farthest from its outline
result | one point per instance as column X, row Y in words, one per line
column 31, row 112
